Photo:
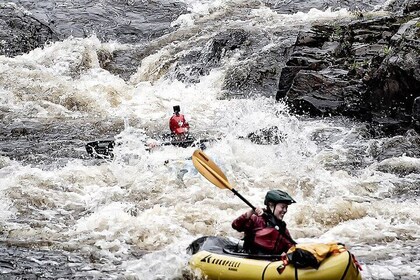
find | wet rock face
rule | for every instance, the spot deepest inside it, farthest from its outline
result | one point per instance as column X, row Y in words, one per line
column 225, row 42
column 30, row 24
column 252, row 69
column 416, row 113
column 404, row 6
column 20, row 32
column 197, row 63
column 267, row 136
column 369, row 69
column 395, row 84
column 411, row 6
column 305, row 5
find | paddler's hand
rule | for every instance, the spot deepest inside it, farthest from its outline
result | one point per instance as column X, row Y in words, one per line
column 258, row 211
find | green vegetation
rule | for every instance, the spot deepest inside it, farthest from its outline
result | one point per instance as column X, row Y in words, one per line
column 337, row 32
column 387, row 50
column 360, row 64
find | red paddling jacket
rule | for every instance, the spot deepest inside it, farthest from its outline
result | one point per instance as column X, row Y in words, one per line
column 260, row 237
column 178, row 124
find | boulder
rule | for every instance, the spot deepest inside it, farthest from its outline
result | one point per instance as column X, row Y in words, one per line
column 368, row 69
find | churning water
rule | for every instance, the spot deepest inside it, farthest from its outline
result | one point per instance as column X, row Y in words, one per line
column 63, row 214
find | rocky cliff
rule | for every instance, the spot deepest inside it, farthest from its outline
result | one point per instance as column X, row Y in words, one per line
column 368, row 69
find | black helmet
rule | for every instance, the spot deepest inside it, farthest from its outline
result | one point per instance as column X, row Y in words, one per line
column 277, row 196
column 177, row 109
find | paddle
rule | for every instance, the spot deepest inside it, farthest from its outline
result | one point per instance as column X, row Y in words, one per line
column 212, row 172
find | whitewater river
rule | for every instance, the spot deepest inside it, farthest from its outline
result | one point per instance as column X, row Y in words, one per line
column 66, row 215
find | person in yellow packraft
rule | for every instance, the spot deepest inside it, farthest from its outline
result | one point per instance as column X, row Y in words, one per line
column 264, row 230
column 266, row 233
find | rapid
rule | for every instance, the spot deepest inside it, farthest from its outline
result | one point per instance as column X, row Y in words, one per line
column 133, row 217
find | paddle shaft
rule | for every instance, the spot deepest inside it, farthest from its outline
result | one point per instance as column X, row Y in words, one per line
column 212, row 172
column 243, row 198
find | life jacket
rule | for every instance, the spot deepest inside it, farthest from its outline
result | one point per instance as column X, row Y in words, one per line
column 271, row 241
column 267, row 239
column 273, row 238
column 178, row 124
column 181, row 130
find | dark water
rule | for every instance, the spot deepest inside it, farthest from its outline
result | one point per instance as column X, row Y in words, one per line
column 42, row 143
column 18, row 262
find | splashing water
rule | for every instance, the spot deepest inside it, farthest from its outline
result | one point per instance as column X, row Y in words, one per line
column 134, row 216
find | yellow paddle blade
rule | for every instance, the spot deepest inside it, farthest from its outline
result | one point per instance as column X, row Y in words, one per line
column 210, row 170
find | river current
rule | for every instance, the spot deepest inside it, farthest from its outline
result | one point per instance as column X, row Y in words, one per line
column 65, row 215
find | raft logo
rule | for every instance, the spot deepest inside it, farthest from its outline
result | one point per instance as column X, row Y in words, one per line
column 232, row 265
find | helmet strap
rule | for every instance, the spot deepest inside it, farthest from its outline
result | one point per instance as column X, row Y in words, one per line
column 271, row 207
column 274, row 209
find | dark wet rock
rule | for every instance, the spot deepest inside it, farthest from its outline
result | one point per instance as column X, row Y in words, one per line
column 411, row 6
column 19, row 131
column 394, row 85
column 29, row 24
column 324, row 93
column 199, row 62
column 312, row 38
column 191, row 66
column 397, row 146
column 21, row 32
column 252, row 70
column 256, row 76
column 416, row 113
column 305, row 5
column 257, row 70
column 225, row 42
column 122, row 63
column 267, row 136
column 403, row 6
column 368, row 69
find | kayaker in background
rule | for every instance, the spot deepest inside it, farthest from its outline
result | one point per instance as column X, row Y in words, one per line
column 264, row 229
column 178, row 125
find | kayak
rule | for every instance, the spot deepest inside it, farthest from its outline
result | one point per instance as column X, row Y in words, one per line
column 215, row 259
column 101, row 148
column 183, row 141
column 104, row 148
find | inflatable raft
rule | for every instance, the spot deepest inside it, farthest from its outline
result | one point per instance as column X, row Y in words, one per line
column 213, row 261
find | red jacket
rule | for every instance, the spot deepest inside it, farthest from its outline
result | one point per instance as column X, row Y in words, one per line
column 178, row 124
column 262, row 238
